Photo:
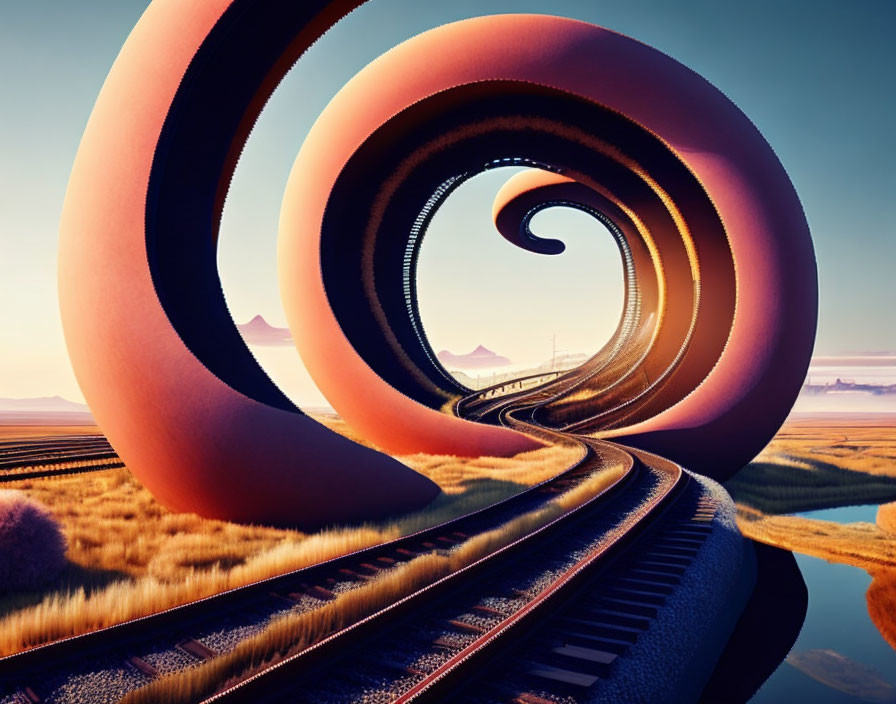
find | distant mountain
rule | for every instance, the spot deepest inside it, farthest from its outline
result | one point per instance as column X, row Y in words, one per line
column 47, row 404
column 480, row 358
column 258, row 332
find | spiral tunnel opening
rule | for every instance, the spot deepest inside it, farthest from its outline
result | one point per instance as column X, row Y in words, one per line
column 473, row 287
column 590, row 159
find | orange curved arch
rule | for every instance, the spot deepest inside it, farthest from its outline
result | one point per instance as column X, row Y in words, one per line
column 741, row 402
column 197, row 443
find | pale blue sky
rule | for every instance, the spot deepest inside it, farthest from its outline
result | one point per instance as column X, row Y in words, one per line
column 816, row 78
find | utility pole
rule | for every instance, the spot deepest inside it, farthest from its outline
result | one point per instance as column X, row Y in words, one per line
column 553, row 351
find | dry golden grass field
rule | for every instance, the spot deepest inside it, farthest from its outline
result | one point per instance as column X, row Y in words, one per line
column 860, row 442
column 15, row 432
column 815, row 463
column 818, row 464
column 863, row 545
column 129, row 556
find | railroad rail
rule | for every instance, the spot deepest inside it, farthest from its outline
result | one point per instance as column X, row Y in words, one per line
column 438, row 637
column 404, row 651
column 51, row 456
column 139, row 650
column 426, row 645
column 563, row 648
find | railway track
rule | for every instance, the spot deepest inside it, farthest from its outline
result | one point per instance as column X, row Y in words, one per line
column 605, row 568
column 120, row 658
column 565, row 653
column 413, row 649
column 624, row 550
column 44, row 457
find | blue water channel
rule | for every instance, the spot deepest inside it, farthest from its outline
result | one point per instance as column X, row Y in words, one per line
column 837, row 619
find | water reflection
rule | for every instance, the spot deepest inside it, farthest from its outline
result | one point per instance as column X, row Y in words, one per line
column 839, row 621
column 881, row 599
column 842, row 674
column 882, row 592
column 766, row 631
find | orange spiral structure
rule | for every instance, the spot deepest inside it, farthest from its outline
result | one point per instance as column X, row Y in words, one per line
column 721, row 290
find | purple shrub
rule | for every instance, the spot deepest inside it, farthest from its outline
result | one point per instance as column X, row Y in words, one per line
column 32, row 547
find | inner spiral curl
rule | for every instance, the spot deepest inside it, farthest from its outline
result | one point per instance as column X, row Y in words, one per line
column 369, row 251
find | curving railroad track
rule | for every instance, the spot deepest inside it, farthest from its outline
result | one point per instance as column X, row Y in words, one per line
column 628, row 545
column 578, row 592
column 128, row 655
column 418, row 648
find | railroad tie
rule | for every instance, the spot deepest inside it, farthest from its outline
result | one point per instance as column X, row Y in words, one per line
column 603, row 628
column 29, row 696
column 285, row 598
column 487, row 610
column 318, row 592
column 467, row 627
column 594, row 655
column 355, row 575
column 540, row 670
column 196, row 649
column 605, row 643
column 139, row 664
